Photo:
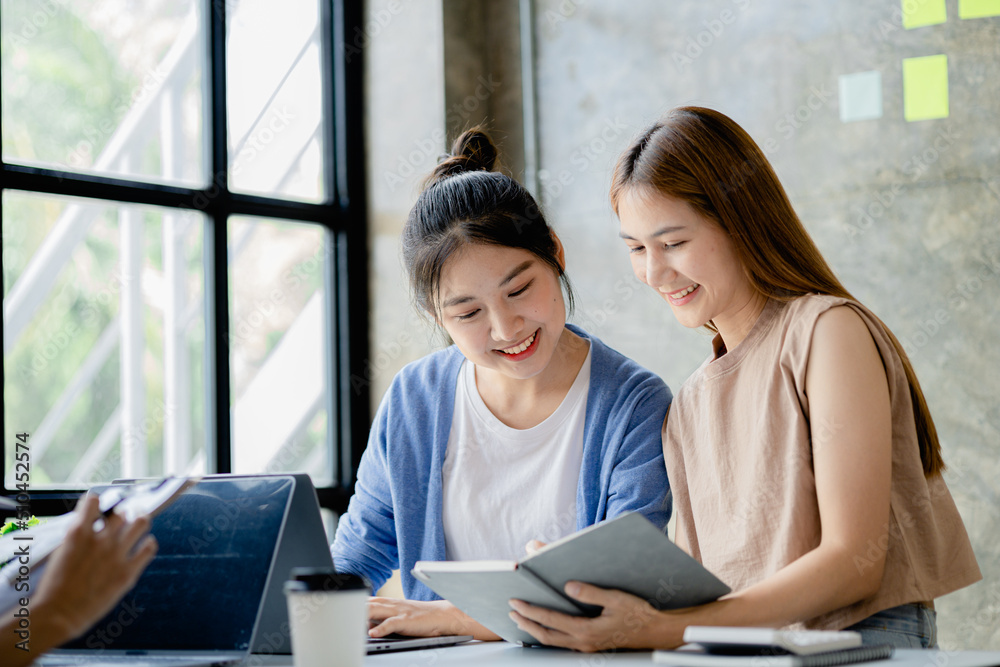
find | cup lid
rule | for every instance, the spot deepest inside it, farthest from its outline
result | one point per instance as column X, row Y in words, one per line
column 324, row 579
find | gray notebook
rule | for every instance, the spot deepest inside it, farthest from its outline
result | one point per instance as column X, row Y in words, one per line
column 627, row 553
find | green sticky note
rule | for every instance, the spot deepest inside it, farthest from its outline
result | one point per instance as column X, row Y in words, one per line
column 925, row 87
column 918, row 13
column 978, row 9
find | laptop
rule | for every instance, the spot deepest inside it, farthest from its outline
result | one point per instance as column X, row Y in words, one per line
column 387, row 644
column 303, row 543
column 214, row 593
column 200, row 600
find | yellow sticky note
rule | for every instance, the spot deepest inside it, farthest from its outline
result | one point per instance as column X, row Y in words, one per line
column 918, row 13
column 978, row 9
column 925, row 87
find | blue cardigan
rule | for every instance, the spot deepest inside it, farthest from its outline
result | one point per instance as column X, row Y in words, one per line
column 394, row 517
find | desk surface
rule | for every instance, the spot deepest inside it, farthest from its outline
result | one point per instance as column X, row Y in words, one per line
column 484, row 654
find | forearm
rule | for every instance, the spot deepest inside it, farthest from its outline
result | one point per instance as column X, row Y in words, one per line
column 460, row 623
column 827, row 573
column 365, row 543
column 422, row 619
column 479, row 631
column 47, row 631
column 373, row 573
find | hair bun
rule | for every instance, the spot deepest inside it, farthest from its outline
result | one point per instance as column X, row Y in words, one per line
column 473, row 150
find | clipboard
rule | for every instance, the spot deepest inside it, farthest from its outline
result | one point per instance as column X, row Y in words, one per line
column 130, row 501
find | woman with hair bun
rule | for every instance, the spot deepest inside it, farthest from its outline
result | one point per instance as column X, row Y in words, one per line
column 804, row 463
column 525, row 429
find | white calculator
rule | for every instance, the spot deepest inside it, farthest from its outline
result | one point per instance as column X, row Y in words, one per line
column 718, row 639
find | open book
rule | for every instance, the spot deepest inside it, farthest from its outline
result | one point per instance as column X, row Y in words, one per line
column 627, row 553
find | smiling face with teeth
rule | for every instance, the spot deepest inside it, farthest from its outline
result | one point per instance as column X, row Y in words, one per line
column 503, row 307
column 691, row 263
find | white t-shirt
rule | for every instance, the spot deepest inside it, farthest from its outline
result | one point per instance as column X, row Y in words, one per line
column 504, row 486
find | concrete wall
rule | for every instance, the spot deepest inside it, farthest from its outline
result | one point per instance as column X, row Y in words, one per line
column 403, row 48
column 910, row 226
column 907, row 213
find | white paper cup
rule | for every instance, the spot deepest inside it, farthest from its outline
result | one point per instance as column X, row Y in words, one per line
column 328, row 618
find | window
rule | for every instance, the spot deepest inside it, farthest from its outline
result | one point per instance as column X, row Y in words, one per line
column 184, row 246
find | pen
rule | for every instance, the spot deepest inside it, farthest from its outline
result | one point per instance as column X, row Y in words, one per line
column 108, row 512
column 126, row 492
column 7, row 504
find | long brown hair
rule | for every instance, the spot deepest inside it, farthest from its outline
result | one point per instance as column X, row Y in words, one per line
column 704, row 158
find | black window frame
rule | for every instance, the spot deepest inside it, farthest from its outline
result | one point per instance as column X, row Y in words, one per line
column 343, row 213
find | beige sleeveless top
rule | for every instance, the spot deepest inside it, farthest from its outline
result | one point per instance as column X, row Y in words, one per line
column 738, row 454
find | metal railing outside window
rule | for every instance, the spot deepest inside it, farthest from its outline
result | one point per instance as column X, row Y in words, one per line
column 184, row 254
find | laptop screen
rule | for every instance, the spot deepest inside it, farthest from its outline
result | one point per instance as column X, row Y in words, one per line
column 204, row 588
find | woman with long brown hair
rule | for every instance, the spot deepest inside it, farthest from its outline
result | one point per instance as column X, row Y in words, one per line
column 803, row 460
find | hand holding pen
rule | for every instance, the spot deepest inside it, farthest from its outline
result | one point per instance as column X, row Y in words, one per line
column 126, row 492
column 98, row 561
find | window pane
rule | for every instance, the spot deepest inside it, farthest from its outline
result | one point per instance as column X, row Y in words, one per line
column 107, row 87
column 276, row 141
column 277, row 336
column 104, row 339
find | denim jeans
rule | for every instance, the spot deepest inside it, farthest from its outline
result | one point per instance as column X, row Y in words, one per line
column 906, row 626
